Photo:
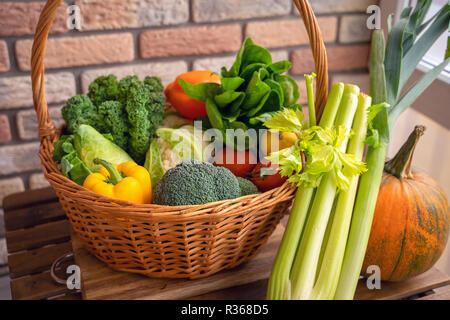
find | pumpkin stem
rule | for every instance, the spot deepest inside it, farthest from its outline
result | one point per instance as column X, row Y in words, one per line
column 400, row 165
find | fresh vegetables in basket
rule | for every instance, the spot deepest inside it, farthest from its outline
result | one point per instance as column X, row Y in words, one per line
column 127, row 120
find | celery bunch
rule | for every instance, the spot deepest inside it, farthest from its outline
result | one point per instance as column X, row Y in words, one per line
column 333, row 163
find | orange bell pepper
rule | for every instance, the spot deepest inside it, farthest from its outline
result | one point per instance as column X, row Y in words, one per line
column 183, row 104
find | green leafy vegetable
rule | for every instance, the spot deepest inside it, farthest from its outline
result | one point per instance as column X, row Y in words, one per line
column 153, row 162
column 71, row 165
column 251, row 89
column 90, row 144
column 130, row 110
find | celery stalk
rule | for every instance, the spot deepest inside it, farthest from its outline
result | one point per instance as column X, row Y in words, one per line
column 279, row 286
column 279, row 283
column 306, row 260
column 309, row 91
column 369, row 185
column 361, row 223
column 335, row 247
column 332, row 105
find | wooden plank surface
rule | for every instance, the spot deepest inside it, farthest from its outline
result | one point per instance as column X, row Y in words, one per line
column 429, row 280
column 37, row 260
column 248, row 281
column 28, row 217
column 38, row 236
column 439, row 294
column 39, row 286
column 29, row 198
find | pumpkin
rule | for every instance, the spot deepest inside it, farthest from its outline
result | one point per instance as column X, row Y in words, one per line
column 411, row 221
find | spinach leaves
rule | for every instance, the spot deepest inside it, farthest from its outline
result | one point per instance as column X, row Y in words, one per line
column 250, row 91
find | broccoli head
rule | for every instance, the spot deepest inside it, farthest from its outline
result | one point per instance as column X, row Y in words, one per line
column 80, row 110
column 115, row 120
column 145, row 109
column 195, row 182
column 103, row 88
column 246, row 187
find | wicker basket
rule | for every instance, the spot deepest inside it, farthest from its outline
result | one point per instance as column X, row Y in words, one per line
column 163, row 241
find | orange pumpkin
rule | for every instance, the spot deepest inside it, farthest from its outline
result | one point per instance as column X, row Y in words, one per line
column 411, row 221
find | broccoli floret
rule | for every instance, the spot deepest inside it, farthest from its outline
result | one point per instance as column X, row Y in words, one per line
column 103, row 88
column 154, row 82
column 195, row 182
column 247, row 187
column 80, row 110
column 145, row 112
column 115, row 120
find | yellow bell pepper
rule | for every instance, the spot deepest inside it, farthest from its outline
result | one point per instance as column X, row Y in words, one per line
column 126, row 181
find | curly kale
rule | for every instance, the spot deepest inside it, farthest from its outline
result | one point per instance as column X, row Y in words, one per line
column 145, row 112
column 115, row 120
column 195, row 182
column 80, row 110
column 130, row 110
column 154, row 82
column 103, row 88
column 125, row 85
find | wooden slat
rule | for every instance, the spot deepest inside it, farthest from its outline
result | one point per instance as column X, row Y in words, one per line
column 29, row 198
column 431, row 279
column 440, row 294
column 68, row 296
column 252, row 291
column 38, row 260
column 49, row 233
column 33, row 215
column 39, row 286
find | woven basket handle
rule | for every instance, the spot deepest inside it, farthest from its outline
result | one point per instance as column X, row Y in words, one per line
column 47, row 128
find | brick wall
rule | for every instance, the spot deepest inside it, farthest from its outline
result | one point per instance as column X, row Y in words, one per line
column 161, row 37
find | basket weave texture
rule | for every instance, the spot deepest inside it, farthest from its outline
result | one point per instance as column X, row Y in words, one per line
column 163, row 241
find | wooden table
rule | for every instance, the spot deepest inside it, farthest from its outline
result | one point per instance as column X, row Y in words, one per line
column 38, row 232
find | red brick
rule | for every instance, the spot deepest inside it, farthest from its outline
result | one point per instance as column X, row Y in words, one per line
column 4, row 57
column 5, row 130
column 190, row 41
column 340, row 58
column 19, row 158
column 19, row 18
column 117, row 14
column 220, row 10
column 280, row 33
column 80, row 51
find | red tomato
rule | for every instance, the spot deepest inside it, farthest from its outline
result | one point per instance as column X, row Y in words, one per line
column 241, row 163
column 266, row 177
column 185, row 105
